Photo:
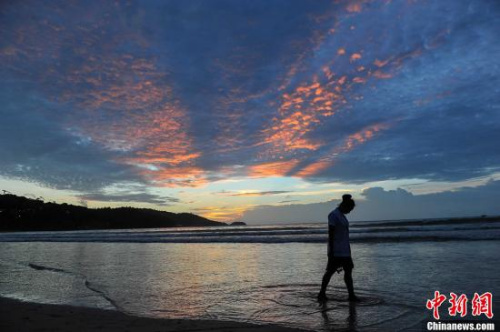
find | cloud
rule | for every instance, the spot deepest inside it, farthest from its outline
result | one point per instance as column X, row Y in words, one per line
column 182, row 94
column 399, row 204
column 129, row 192
column 134, row 197
column 36, row 148
column 221, row 213
column 257, row 193
column 377, row 203
column 292, row 213
column 288, row 201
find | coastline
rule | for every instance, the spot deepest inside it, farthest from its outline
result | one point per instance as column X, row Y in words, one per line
column 27, row 316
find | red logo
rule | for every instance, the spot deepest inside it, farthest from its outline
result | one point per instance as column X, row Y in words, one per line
column 458, row 305
column 481, row 304
column 435, row 303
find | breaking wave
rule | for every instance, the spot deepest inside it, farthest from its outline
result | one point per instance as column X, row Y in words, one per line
column 394, row 231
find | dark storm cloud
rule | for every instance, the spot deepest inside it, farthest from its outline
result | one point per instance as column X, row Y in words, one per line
column 380, row 204
column 181, row 93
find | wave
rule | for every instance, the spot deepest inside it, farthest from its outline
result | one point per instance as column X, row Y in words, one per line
column 360, row 232
column 444, row 235
column 77, row 275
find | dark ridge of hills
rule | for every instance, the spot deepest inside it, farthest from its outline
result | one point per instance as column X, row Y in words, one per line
column 19, row 213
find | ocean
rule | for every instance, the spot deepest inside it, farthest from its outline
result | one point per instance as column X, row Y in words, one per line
column 258, row 274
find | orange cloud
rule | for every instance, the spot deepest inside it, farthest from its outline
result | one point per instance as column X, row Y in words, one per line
column 354, row 7
column 143, row 117
column 123, row 102
column 362, row 136
column 359, row 79
column 313, row 169
column 382, row 75
column 380, row 63
column 299, row 113
column 328, row 72
column 177, row 177
column 276, row 168
column 224, row 214
column 355, row 57
column 352, row 141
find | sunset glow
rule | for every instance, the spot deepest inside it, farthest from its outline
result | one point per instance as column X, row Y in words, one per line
column 261, row 101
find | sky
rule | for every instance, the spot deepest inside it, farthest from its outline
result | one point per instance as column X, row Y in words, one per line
column 264, row 111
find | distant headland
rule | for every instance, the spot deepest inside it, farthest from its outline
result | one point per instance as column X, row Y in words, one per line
column 19, row 213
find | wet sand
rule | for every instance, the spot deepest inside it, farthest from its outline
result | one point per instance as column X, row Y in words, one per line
column 25, row 316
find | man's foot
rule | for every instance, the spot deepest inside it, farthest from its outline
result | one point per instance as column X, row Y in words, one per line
column 322, row 297
column 354, row 298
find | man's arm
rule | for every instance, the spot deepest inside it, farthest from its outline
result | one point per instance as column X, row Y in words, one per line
column 331, row 234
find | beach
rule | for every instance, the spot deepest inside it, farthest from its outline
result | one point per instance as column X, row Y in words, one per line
column 261, row 276
column 271, row 165
column 24, row 316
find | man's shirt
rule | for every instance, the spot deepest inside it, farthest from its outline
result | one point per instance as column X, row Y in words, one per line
column 341, row 245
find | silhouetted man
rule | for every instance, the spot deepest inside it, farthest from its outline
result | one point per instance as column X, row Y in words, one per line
column 339, row 248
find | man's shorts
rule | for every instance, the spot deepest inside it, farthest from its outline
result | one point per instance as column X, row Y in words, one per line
column 337, row 264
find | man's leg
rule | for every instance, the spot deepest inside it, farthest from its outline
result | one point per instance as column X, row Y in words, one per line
column 349, row 283
column 324, row 284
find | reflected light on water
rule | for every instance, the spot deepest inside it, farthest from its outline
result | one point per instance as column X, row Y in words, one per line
column 250, row 282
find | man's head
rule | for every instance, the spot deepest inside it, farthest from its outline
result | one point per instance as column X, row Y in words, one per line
column 347, row 204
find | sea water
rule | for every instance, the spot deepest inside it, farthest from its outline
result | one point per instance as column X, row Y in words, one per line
column 258, row 274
